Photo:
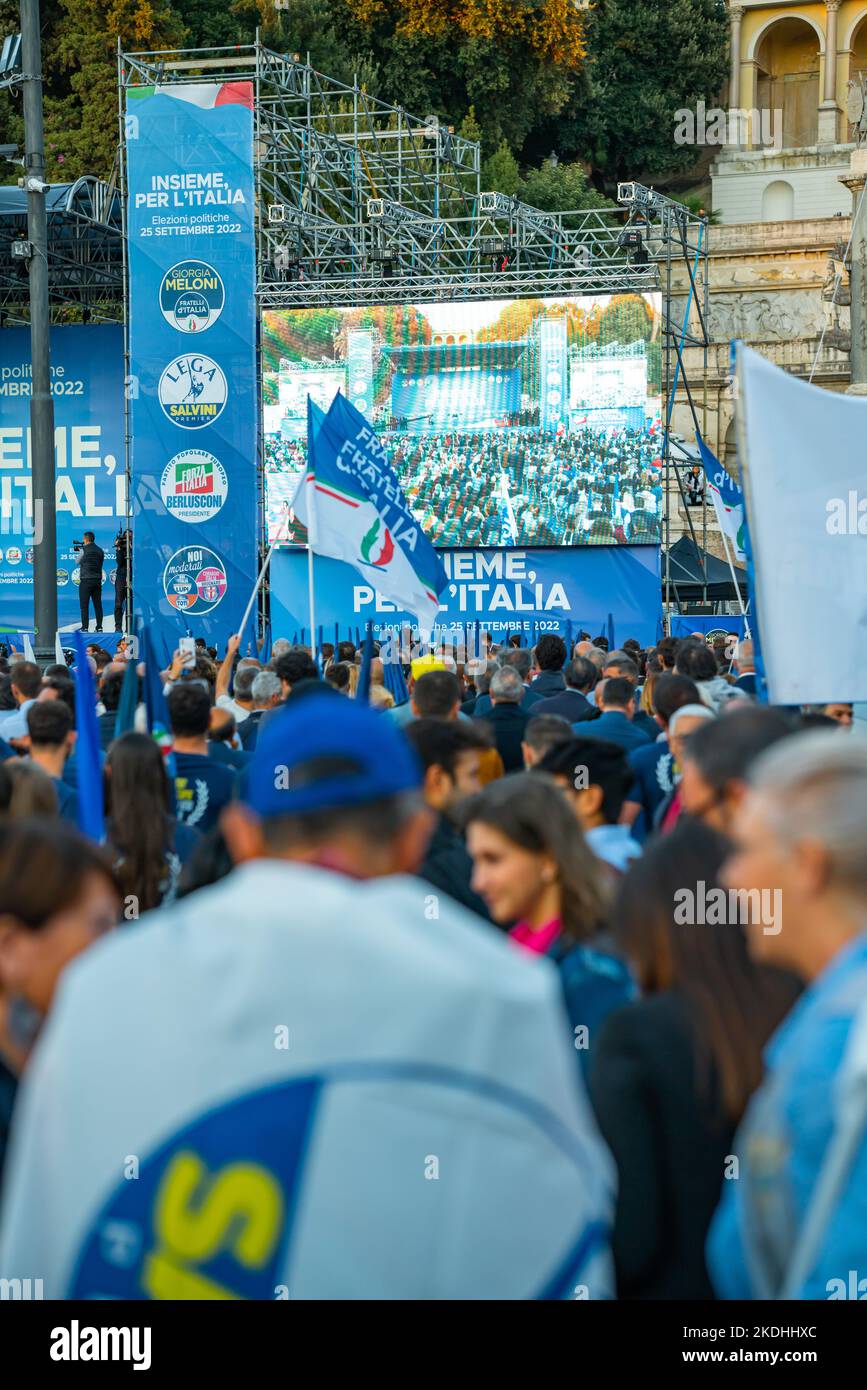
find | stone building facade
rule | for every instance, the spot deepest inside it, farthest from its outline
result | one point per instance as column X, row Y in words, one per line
column 784, row 211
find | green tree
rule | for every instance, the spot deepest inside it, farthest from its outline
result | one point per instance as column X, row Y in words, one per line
column 500, row 172
column 557, row 187
column 81, row 123
column 645, row 61
column 627, row 318
column 514, row 62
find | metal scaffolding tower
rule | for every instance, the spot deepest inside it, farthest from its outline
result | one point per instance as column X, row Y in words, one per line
column 360, row 203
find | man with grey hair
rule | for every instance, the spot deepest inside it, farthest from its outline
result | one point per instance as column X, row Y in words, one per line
column 597, row 657
column 798, row 869
column 518, row 659
column 745, row 662
column 506, row 717
column 278, row 647
column 240, row 702
column 266, row 693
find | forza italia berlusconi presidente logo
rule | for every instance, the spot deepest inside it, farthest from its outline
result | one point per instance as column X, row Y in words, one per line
column 194, row 486
column 193, row 391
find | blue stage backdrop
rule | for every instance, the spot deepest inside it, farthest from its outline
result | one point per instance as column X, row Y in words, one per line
column 685, row 626
column 87, row 386
column 193, row 356
column 526, row 591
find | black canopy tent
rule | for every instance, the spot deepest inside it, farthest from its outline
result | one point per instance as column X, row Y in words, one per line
column 697, row 575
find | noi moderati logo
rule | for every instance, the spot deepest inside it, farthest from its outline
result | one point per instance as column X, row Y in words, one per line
column 77, row 1343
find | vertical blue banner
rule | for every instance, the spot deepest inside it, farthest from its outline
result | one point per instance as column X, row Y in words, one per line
column 192, row 269
column 87, row 386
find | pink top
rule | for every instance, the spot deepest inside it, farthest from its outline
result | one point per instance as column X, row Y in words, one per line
column 539, row 940
column 672, row 815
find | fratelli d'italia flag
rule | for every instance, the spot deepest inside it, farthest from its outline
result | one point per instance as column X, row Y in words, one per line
column 727, row 498
column 352, row 504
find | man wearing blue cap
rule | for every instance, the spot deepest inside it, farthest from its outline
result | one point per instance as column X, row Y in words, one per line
column 333, row 1082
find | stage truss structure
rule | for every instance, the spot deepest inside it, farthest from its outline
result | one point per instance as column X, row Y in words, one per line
column 85, row 253
column 362, row 203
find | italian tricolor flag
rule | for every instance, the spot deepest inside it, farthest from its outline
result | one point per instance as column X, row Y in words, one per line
column 351, row 503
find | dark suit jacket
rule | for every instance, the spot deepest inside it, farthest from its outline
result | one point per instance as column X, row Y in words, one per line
column 654, row 1086
column 548, row 683
column 660, row 1114
column 570, row 703
column 482, row 705
column 614, row 727
column 646, row 724
column 508, row 723
column 448, row 866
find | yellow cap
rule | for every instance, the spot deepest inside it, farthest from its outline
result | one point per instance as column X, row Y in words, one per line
column 422, row 664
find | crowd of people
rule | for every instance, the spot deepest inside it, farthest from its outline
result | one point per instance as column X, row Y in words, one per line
column 618, row 898
column 575, row 487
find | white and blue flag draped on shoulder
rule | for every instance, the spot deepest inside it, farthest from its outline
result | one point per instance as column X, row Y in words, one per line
column 801, row 452
column 352, row 504
column 423, row 1133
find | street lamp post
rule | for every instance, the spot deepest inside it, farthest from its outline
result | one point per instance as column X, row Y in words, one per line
column 41, row 403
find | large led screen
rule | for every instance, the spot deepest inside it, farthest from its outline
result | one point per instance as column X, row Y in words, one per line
column 526, row 422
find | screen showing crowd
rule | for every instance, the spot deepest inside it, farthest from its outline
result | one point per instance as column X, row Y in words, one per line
column 508, row 422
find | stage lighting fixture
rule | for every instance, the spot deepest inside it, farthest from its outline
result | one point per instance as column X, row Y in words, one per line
column 383, row 261
column 629, row 239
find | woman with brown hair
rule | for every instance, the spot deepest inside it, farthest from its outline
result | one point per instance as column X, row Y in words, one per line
column 538, row 876
column 57, row 895
column 33, row 793
column 146, row 844
column 532, row 864
column 671, row 1073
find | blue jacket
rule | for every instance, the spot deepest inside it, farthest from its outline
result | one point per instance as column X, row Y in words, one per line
column 612, row 727
column 782, row 1142
column 595, row 982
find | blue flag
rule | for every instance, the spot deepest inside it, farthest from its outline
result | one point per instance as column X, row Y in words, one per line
column 128, row 703
column 352, row 504
column 91, row 820
column 727, row 498
column 393, row 680
column 159, row 727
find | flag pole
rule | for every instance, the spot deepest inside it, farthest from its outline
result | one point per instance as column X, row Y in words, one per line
column 263, row 571
column 310, row 595
column 725, row 541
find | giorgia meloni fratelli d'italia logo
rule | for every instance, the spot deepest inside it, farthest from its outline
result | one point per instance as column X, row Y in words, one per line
column 194, row 486
column 191, row 296
column 194, row 580
column 193, row 391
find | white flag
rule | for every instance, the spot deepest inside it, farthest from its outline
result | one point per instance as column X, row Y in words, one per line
column 805, row 483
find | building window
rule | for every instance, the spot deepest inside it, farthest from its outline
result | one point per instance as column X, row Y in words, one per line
column 787, row 60
column 778, row 202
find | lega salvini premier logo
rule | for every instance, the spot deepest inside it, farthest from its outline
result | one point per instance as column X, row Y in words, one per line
column 192, row 296
column 193, row 391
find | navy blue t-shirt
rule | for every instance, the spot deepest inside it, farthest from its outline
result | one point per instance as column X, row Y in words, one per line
column 202, row 788
column 67, row 801
column 654, row 781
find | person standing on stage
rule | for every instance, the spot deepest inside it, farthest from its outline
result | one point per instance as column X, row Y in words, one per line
column 90, row 561
column 122, row 576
